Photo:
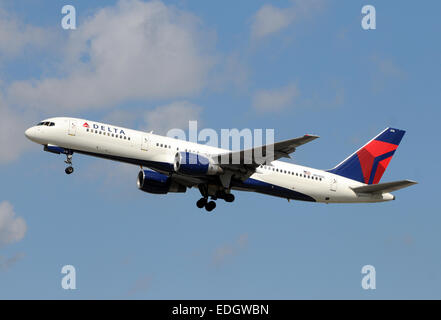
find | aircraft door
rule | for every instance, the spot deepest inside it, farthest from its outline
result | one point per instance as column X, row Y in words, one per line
column 333, row 185
column 145, row 143
column 72, row 128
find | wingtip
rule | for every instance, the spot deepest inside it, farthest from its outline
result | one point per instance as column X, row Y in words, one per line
column 312, row 136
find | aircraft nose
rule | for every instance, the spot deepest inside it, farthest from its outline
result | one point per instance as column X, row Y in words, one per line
column 30, row 133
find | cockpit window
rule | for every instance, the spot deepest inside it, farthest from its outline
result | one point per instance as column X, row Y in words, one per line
column 47, row 123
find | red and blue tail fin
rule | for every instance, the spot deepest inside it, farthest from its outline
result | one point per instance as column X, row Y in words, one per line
column 368, row 163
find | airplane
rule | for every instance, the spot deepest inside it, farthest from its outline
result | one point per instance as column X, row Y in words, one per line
column 173, row 165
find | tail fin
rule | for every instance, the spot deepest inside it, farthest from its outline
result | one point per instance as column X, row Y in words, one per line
column 368, row 163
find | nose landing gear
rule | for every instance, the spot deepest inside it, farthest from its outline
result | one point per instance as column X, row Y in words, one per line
column 69, row 169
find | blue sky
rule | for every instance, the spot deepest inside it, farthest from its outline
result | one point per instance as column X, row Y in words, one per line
column 296, row 67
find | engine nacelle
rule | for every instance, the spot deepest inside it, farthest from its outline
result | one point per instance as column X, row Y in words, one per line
column 195, row 164
column 157, row 183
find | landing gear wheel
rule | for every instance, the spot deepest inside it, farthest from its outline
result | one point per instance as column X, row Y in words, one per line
column 210, row 206
column 201, row 203
column 69, row 170
column 229, row 197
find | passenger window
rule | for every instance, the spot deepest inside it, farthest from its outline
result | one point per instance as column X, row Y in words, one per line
column 128, row 138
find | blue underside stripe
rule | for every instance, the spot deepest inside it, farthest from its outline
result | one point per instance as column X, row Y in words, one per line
column 271, row 189
column 249, row 184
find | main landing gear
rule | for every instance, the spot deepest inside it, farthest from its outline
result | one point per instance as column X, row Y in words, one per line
column 211, row 205
column 69, row 169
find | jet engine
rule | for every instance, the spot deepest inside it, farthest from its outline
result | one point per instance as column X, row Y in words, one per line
column 195, row 164
column 158, row 183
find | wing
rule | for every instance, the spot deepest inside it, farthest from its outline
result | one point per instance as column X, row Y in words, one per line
column 263, row 154
column 243, row 164
column 384, row 187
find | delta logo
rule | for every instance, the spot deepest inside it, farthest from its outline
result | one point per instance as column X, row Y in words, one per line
column 108, row 129
column 86, row 125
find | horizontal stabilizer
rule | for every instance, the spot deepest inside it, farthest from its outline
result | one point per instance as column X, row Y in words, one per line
column 384, row 187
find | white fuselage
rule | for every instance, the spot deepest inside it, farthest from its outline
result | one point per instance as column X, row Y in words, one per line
column 158, row 152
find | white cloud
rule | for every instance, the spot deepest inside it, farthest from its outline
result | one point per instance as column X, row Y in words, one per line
column 236, row 72
column 12, row 229
column 16, row 37
column 389, row 68
column 224, row 252
column 122, row 118
column 175, row 115
column 330, row 95
column 108, row 172
column 385, row 71
column 270, row 19
column 133, row 51
column 7, row 263
column 12, row 139
column 275, row 99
